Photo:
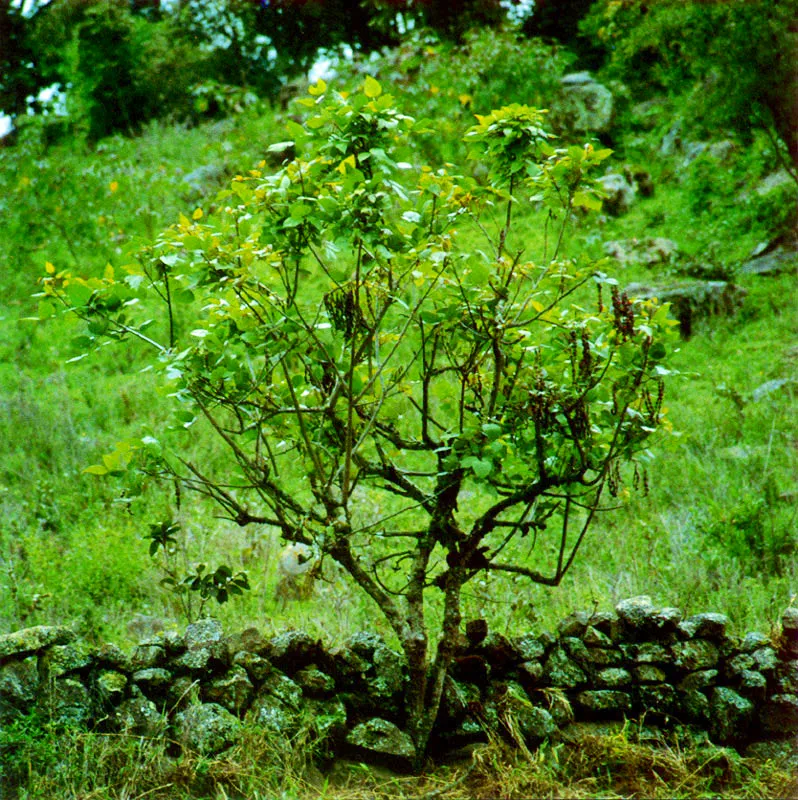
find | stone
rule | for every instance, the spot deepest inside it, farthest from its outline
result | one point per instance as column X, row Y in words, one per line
column 327, row 718
column 250, row 640
column 574, row 625
column 471, row 669
column 476, row 631
column 182, row 692
column 786, row 678
column 529, row 648
column 612, row 677
column 63, row 659
column 499, row 653
column 19, row 685
column 605, row 701
column 692, row 301
column 153, row 680
column 111, row 686
column 256, row 666
column 585, row 104
column 705, row 626
column 650, row 251
column 113, row 657
column 530, row 673
column 771, row 264
column 739, row 663
column 648, row 673
column 456, row 700
column 753, row 684
column 206, row 648
column 207, row 728
column 389, row 673
column 283, row 688
column 695, row 706
column 147, row 655
column 33, row 640
column 233, row 690
column 593, row 637
column 731, row 715
column 273, row 714
column 383, row 738
column 139, row 716
column 202, row 633
column 753, row 641
column 576, row 649
column 347, row 666
column 700, row 679
column 618, row 193
column 604, row 656
column 765, row 659
column 658, row 699
column 635, row 612
column 293, row 650
column 607, row 623
column 789, row 620
column 651, row 653
column 561, row 671
column 534, row 723
column 779, row 715
column 314, row 682
column 695, row 654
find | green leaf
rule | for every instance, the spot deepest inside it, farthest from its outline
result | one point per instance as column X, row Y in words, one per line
column 372, row 87
column 96, row 469
column 482, row 468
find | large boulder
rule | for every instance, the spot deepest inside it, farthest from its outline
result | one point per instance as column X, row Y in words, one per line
column 585, row 104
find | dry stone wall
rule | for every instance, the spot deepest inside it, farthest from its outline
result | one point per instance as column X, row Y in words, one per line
column 201, row 686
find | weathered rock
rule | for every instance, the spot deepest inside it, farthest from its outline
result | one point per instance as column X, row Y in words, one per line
column 779, row 715
column 650, row 251
column 383, row 738
column 184, row 691
column 233, row 690
column 593, row 637
column 773, row 263
column 250, row 640
column 765, row 659
column 293, row 650
column 529, row 648
column 63, row 659
column 705, row 626
column 530, row 673
column 148, row 655
column 314, row 682
column 586, row 105
column 605, row 701
column 347, row 666
column 456, row 700
column 574, row 625
column 499, row 653
column 534, row 723
column 273, row 714
column 618, row 193
column 256, row 666
column 695, row 654
column 731, row 715
column 112, row 657
column 327, row 718
column 389, row 673
column 753, row 684
column 658, row 699
column 576, row 649
column 753, row 641
column 635, row 612
column 207, row 728
column 695, row 706
column 139, row 716
column 612, row 677
column 19, row 685
column 648, row 673
column 153, row 680
column 111, row 687
column 283, row 688
column 649, row 653
column 604, row 656
column 476, row 631
column 692, row 301
column 561, row 671
column 701, row 679
column 33, row 640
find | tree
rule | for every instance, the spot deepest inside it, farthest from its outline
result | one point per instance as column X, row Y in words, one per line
column 739, row 57
column 368, row 364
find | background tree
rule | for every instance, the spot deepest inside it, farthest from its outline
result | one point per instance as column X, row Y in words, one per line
column 368, row 369
column 738, row 58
